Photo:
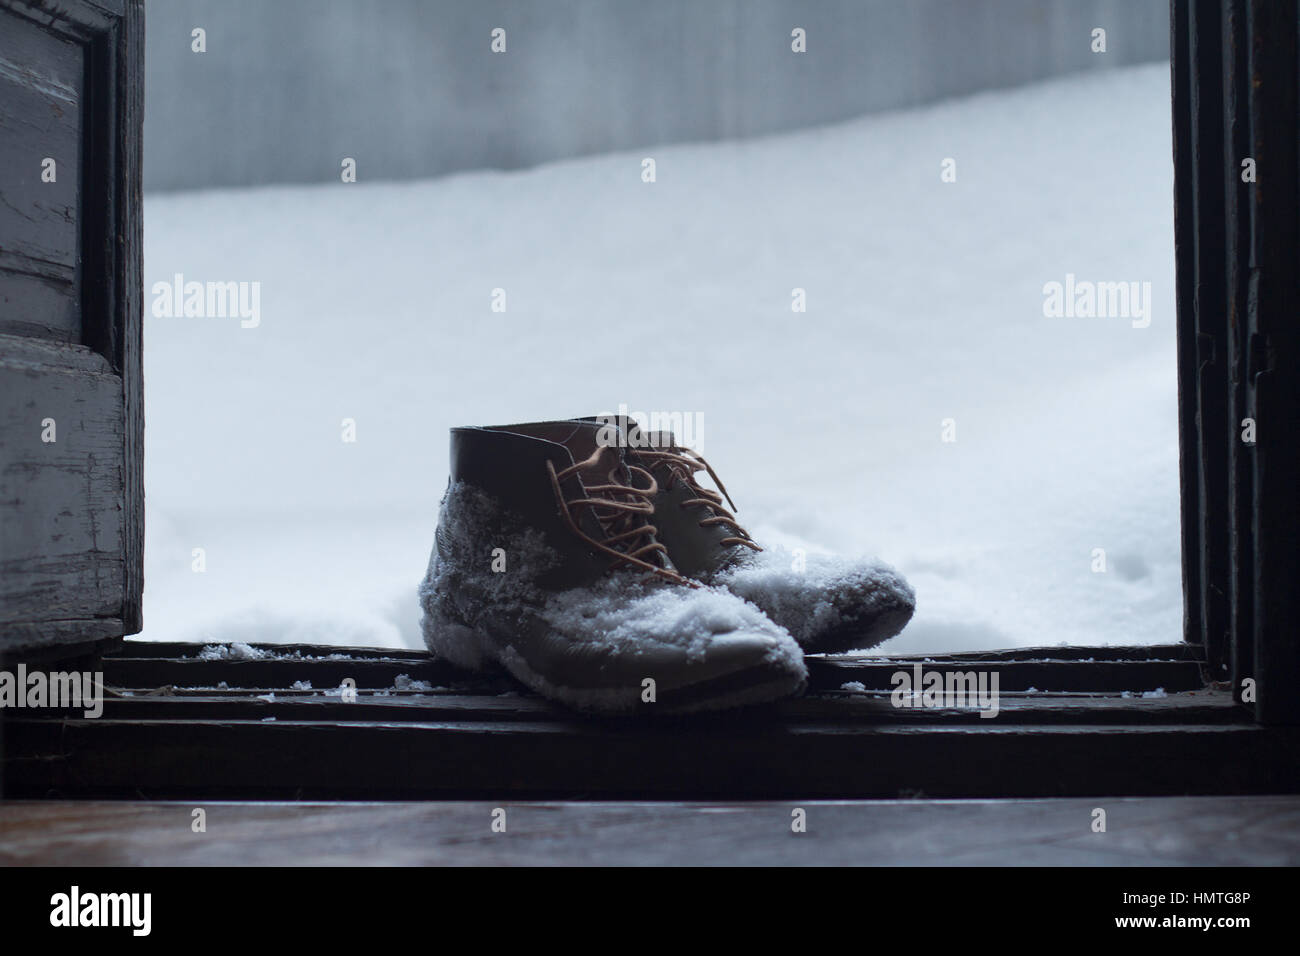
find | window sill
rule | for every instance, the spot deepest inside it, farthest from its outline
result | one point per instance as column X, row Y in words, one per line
column 169, row 730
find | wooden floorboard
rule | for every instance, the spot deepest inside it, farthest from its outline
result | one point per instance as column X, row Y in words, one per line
column 1204, row 831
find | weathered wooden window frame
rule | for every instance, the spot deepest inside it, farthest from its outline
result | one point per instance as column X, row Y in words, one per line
column 106, row 357
column 1234, row 99
column 1234, row 71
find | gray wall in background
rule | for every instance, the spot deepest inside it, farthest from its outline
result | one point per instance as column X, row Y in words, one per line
column 409, row 88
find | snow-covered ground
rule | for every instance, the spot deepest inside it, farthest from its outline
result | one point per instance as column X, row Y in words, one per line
column 924, row 303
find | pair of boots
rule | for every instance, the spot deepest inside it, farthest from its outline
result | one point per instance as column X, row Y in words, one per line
column 586, row 559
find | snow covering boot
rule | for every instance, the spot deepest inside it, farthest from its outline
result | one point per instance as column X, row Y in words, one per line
column 545, row 562
column 828, row 604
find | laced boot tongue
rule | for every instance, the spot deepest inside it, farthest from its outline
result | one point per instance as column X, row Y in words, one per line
column 605, row 465
column 605, row 475
column 673, row 463
column 621, row 499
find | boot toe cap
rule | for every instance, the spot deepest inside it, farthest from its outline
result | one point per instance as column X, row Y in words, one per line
column 660, row 649
column 828, row 604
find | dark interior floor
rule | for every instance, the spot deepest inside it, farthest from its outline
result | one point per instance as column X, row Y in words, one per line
column 1157, row 831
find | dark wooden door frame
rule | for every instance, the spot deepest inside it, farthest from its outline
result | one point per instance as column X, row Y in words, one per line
column 114, row 248
column 58, row 550
column 1235, row 92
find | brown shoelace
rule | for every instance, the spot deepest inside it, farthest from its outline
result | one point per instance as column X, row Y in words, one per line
column 623, row 511
column 682, row 465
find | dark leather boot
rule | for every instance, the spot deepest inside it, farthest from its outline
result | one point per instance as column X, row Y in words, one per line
column 546, row 562
column 828, row 604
